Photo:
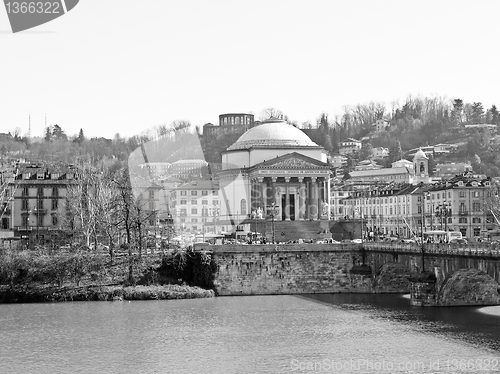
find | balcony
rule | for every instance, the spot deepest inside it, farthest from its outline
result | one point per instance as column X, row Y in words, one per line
column 463, row 213
column 37, row 211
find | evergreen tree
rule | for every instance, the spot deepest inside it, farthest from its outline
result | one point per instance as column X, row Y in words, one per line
column 477, row 114
column 80, row 138
column 457, row 112
column 48, row 134
column 395, row 152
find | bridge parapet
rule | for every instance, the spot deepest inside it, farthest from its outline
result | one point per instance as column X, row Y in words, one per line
column 439, row 249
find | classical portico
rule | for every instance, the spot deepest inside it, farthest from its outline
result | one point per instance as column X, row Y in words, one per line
column 298, row 185
column 275, row 163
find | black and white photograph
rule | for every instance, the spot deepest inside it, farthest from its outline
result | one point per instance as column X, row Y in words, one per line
column 249, row 187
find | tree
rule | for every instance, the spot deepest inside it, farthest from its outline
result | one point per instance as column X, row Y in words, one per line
column 80, row 138
column 457, row 112
column 58, row 133
column 84, row 203
column 271, row 113
column 493, row 116
column 366, row 152
column 395, row 152
column 477, row 114
column 48, row 134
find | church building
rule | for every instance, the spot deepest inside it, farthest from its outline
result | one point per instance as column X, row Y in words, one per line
column 274, row 170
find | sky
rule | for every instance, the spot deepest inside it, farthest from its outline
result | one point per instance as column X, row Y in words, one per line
column 122, row 66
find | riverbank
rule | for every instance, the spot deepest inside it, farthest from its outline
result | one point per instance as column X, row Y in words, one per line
column 103, row 293
column 49, row 276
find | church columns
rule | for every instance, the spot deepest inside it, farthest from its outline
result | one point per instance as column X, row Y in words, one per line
column 301, row 195
column 321, row 191
column 287, row 199
column 273, row 193
column 263, row 197
column 313, row 209
column 328, row 215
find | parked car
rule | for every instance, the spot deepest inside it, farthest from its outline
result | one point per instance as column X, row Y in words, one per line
column 461, row 241
column 407, row 241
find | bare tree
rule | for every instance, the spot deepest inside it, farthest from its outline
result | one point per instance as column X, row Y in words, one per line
column 271, row 113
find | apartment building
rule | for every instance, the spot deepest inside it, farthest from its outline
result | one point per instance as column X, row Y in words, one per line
column 38, row 207
column 459, row 204
column 195, row 207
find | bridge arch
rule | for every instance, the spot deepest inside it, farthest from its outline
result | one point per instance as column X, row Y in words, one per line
column 392, row 277
column 469, row 287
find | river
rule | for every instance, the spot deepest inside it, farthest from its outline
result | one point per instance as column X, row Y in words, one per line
column 257, row 334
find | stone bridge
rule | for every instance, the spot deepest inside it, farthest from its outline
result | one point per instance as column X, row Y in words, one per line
column 440, row 275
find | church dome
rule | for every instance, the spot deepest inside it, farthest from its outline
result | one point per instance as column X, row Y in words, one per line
column 273, row 134
column 420, row 154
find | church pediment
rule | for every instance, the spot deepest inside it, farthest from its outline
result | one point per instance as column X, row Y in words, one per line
column 292, row 161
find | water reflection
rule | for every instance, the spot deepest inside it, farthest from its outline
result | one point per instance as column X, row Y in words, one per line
column 476, row 325
column 254, row 334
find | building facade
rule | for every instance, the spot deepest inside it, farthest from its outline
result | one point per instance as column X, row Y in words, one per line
column 459, row 204
column 276, row 169
column 349, row 146
column 39, row 204
column 196, row 208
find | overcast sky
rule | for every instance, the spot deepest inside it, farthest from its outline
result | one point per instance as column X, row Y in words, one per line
column 125, row 66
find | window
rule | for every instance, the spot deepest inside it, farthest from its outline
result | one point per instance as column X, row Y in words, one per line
column 462, row 220
column 54, row 220
column 25, row 221
column 40, row 204
column 243, row 205
column 40, row 220
column 216, row 202
column 194, row 202
column 476, row 207
column 151, row 194
column 204, row 193
column 55, row 191
column 40, row 191
column 183, row 193
column 194, row 211
column 204, row 202
column 25, row 191
column 475, row 194
column 183, row 212
column 183, row 202
column 476, row 220
column 477, row 231
column 461, row 194
column 194, row 220
column 194, row 193
column 25, row 205
column 215, row 193
column 55, row 204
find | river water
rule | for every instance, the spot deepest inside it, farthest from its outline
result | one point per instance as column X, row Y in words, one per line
column 256, row 334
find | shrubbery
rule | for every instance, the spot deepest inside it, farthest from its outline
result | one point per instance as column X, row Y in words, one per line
column 81, row 275
column 196, row 268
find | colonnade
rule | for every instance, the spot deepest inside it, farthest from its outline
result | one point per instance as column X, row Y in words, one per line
column 297, row 198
